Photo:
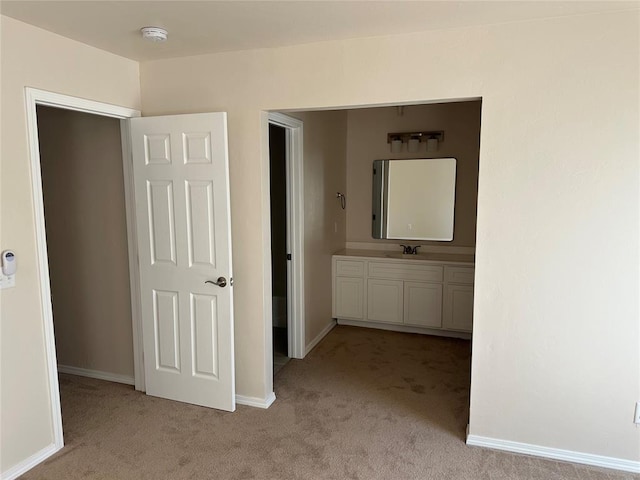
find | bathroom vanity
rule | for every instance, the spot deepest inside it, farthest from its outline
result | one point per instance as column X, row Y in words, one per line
column 428, row 293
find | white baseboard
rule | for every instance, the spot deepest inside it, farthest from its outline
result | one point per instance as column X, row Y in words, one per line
column 319, row 337
column 29, row 463
column 255, row 401
column 113, row 377
column 405, row 328
column 555, row 453
column 85, row 372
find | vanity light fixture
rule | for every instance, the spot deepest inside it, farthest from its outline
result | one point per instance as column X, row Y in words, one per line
column 154, row 34
column 413, row 144
column 396, row 145
column 413, row 140
column 432, row 144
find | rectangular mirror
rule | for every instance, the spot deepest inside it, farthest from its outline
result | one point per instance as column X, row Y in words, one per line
column 414, row 199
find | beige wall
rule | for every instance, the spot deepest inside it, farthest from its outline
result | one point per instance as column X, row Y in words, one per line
column 83, row 186
column 35, row 58
column 367, row 141
column 555, row 357
column 556, row 333
column 325, row 146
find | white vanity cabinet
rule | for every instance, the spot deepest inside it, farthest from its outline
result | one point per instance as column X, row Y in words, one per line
column 348, row 288
column 348, row 297
column 458, row 301
column 430, row 294
column 384, row 300
column 423, row 304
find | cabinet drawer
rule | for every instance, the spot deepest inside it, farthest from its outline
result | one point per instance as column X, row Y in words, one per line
column 404, row 271
column 349, row 268
column 459, row 275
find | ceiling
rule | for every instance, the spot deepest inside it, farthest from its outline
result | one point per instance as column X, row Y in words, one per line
column 197, row 27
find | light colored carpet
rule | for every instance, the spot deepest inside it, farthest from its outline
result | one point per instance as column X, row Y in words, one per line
column 365, row 404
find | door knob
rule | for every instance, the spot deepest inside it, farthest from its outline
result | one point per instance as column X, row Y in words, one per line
column 221, row 282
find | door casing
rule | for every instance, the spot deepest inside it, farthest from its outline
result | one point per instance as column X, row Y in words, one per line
column 35, row 97
column 295, row 231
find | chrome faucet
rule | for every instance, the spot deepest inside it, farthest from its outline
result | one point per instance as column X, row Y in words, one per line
column 410, row 250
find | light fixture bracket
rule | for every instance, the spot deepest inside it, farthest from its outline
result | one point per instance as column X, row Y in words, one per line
column 404, row 137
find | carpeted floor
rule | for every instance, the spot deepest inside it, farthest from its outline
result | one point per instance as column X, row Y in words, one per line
column 365, row 404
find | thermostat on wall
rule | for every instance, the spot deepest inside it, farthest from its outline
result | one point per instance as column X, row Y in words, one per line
column 9, row 267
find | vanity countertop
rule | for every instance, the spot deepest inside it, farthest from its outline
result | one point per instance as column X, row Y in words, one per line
column 425, row 256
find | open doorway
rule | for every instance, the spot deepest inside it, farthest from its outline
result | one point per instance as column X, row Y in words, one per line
column 83, row 194
column 36, row 99
column 86, row 230
column 340, row 147
column 285, row 141
column 215, row 126
column 279, row 253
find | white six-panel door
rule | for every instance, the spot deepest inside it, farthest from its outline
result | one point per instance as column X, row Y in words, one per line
column 181, row 180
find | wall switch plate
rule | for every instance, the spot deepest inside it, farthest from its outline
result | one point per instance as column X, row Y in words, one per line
column 636, row 416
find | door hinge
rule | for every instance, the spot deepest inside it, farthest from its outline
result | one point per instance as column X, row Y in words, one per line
column 374, row 216
column 288, row 256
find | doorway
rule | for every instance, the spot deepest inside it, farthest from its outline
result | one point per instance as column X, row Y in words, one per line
column 346, row 141
column 196, row 152
column 86, row 230
column 279, row 253
column 34, row 99
column 287, row 329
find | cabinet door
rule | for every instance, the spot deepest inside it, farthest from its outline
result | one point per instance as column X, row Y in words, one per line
column 458, row 309
column 384, row 300
column 349, row 298
column 423, row 304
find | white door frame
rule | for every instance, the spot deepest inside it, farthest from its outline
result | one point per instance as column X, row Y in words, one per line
column 295, row 232
column 34, row 98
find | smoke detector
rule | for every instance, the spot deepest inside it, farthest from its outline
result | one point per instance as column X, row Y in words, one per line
column 154, row 34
